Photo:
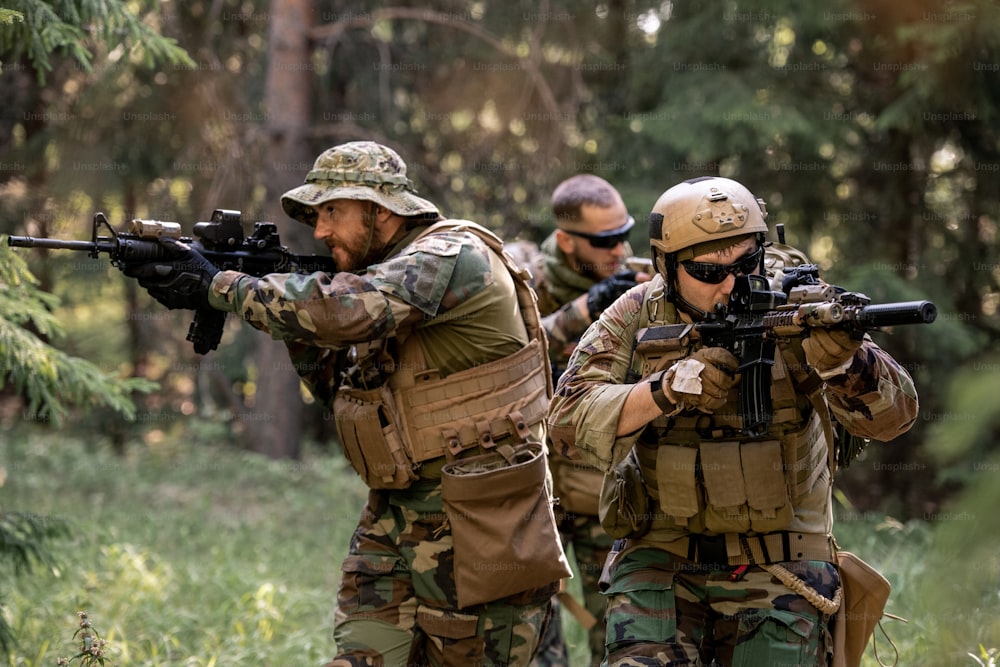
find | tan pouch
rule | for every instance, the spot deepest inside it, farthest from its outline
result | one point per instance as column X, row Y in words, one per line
column 370, row 438
column 676, row 482
column 726, row 503
column 865, row 593
column 499, row 506
column 624, row 505
column 576, row 485
column 745, row 487
column 767, row 490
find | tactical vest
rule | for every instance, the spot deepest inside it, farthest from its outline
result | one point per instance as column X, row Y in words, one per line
column 703, row 476
column 390, row 432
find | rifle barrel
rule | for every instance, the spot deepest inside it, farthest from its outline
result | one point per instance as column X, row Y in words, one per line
column 54, row 244
column 892, row 314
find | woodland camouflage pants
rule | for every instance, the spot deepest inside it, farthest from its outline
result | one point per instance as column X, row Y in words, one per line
column 590, row 547
column 666, row 610
column 397, row 603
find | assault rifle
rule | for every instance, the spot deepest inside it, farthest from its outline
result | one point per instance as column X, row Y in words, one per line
column 756, row 317
column 221, row 241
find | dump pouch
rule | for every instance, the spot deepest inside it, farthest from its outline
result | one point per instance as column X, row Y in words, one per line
column 865, row 592
column 502, row 523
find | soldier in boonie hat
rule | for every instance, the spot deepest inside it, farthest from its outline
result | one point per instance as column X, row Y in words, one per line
column 360, row 170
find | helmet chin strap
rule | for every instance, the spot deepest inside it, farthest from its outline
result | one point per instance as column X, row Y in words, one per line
column 667, row 265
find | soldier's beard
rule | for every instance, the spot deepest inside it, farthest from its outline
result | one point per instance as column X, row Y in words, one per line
column 363, row 251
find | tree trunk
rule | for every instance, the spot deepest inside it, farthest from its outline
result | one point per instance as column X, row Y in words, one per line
column 276, row 428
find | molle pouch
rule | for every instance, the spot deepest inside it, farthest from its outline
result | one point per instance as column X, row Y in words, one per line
column 499, row 507
column 370, row 439
column 624, row 505
column 575, row 485
column 660, row 346
column 676, row 482
column 722, row 470
column 767, row 492
column 745, row 487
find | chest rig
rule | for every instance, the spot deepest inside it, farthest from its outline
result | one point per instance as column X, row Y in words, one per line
column 704, row 476
column 415, row 416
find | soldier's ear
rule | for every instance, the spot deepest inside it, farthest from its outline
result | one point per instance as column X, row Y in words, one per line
column 381, row 213
column 566, row 242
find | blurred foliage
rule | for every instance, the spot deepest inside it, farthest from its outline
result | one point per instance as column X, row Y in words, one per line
column 36, row 30
column 25, row 541
column 869, row 127
column 50, row 380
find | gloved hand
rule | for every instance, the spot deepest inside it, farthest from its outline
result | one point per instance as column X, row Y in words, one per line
column 703, row 380
column 603, row 294
column 829, row 349
column 180, row 280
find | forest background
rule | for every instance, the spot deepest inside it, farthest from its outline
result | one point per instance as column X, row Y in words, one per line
column 871, row 128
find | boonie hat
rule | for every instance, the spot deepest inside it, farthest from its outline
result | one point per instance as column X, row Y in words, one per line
column 362, row 170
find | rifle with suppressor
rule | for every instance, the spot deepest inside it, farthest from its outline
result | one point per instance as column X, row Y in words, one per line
column 757, row 317
column 221, row 241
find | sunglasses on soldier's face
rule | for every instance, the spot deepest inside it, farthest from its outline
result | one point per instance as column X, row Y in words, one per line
column 609, row 239
column 713, row 274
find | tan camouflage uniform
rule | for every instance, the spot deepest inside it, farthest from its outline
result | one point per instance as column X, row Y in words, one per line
column 687, row 594
column 397, row 601
column 675, row 597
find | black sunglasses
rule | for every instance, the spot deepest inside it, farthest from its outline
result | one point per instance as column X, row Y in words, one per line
column 609, row 239
column 713, row 274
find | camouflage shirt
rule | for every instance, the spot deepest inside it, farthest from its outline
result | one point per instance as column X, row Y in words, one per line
column 448, row 289
column 557, row 285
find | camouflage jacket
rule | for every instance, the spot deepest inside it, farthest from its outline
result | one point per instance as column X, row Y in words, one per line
column 446, row 287
column 556, row 285
column 875, row 398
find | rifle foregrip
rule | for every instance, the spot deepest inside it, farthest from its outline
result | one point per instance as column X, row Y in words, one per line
column 892, row 314
column 205, row 331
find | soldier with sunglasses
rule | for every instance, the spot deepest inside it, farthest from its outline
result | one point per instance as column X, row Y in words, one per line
column 730, row 559
column 578, row 271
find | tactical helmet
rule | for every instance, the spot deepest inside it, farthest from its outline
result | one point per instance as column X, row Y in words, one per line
column 362, row 170
column 697, row 216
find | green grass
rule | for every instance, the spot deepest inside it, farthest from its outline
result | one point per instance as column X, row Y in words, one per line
column 191, row 554
column 945, row 577
column 182, row 554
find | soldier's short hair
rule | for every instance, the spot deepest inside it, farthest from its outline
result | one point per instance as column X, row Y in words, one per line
column 571, row 195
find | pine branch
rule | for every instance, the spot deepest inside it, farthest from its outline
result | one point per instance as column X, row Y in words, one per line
column 74, row 27
column 49, row 379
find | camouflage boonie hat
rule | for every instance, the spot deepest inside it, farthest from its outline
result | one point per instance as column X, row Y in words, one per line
column 362, row 170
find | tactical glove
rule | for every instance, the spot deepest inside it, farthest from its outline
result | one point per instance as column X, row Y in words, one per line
column 181, row 280
column 606, row 292
column 828, row 351
column 703, row 380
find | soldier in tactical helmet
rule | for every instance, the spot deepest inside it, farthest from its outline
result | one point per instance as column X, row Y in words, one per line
column 577, row 272
column 702, row 576
column 427, row 348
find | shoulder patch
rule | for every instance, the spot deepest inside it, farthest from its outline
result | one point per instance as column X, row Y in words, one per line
column 428, row 272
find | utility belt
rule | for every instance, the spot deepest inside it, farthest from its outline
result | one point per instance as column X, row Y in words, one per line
column 389, row 431
column 732, row 549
